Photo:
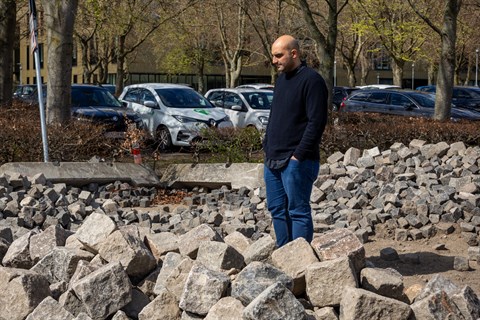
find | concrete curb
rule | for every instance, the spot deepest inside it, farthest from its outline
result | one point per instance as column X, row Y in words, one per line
column 214, row 175
column 82, row 173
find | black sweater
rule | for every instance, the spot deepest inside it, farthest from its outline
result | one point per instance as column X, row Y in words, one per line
column 298, row 116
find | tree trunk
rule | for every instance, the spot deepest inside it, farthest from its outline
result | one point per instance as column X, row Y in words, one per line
column 59, row 22
column 397, row 71
column 325, row 44
column 364, row 69
column 120, row 65
column 200, row 66
column 431, row 74
column 7, row 36
column 446, row 70
column 86, row 71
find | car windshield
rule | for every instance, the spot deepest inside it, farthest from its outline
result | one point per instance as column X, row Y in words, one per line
column 425, row 100
column 182, row 98
column 93, row 97
column 259, row 100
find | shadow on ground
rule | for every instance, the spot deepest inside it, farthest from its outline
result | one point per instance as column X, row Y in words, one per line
column 417, row 263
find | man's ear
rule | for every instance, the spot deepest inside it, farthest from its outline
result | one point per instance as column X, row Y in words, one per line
column 294, row 53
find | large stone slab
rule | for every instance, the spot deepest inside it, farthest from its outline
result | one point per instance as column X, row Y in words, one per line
column 104, row 291
column 214, row 175
column 83, row 173
column 362, row 304
column 339, row 243
column 203, row 289
column 18, row 253
column 50, row 309
column 163, row 307
column 275, row 302
column 293, row 259
column 126, row 246
column 326, row 281
column 256, row 277
column 20, row 292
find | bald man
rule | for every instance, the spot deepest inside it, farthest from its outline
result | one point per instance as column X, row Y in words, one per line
column 297, row 120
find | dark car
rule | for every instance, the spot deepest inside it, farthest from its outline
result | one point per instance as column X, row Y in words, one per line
column 23, row 91
column 400, row 102
column 463, row 97
column 97, row 104
column 340, row 94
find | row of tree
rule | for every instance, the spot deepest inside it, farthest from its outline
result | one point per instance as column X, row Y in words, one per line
column 181, row 35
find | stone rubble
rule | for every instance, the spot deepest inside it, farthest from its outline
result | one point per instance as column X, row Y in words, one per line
column 100, row 251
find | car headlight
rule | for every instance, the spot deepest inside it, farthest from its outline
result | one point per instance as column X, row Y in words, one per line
column 263, row 120
column 184, row 119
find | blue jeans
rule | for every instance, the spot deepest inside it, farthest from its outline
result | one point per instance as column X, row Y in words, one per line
column 288, row 199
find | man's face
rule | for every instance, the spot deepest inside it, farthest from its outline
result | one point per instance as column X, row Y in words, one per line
column 283, row 58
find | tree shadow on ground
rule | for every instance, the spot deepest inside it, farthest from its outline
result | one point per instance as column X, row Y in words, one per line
column 417, row 263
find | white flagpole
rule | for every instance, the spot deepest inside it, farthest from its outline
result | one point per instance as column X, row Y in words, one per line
column 34, row 45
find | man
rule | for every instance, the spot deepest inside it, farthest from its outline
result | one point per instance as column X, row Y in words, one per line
column 297, row 119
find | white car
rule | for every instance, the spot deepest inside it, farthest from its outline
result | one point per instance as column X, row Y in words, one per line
column 264, row 86
column 245, row 107
column 173, row 114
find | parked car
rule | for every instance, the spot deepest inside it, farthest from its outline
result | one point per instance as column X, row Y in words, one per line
column 340, row 94
column 400, row 102
column 23, row 91
column 379, row 86
column 262, row 86
column 463, row 97
column 110, row 87
column 245, row 107
column 173, row 114
column 97, row 104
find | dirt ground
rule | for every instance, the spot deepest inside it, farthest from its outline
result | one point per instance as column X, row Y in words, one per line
column 431, row 261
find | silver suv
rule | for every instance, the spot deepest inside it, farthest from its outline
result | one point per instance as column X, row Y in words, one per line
column 245, row 107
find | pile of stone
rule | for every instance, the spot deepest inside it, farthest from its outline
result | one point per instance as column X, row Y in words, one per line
column 87, row 253
column 416, row 190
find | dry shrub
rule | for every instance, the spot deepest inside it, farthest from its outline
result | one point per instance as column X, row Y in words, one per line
column 21, row 140
column 368, row 130
column 21, row 136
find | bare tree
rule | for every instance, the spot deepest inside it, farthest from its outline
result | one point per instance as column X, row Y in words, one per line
column 7, row 35
column 326, row 41
column 352, row 42
column 448, row 35
column 59, row 22
column 268, row 20
column 231, row 24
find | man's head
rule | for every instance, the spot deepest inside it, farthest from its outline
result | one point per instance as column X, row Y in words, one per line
column 286, row 53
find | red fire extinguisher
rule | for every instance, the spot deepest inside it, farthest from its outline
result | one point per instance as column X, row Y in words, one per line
column 137, row 156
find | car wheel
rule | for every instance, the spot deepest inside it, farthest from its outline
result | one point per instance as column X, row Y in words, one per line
column 164, row 138
column 335, row 108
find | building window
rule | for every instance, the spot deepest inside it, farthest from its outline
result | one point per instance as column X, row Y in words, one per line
column 381, row 60
column 40, row 53
column 28, row 57
column 74, row 55
column 75, row 78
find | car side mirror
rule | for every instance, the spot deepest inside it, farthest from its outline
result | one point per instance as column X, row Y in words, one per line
column 151, row 104
column 237, row 108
